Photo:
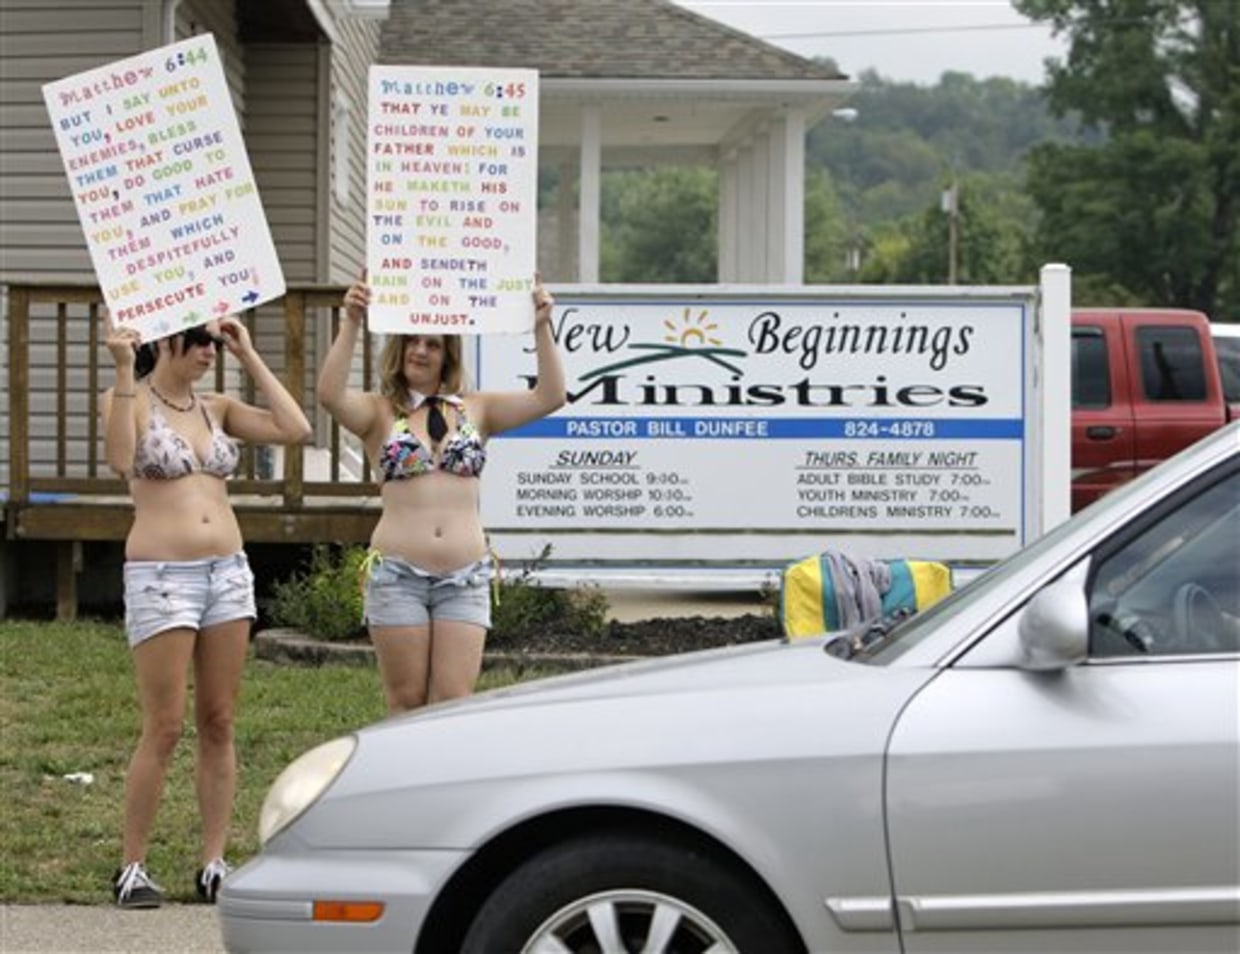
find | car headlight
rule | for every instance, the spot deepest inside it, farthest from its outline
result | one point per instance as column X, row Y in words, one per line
column 299, row 785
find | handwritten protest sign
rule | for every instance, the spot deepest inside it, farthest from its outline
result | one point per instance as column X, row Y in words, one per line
column 452, row 168
column 163, row 188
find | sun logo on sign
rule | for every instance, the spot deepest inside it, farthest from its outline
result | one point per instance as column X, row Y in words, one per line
column 691, row 330
column 687, row 338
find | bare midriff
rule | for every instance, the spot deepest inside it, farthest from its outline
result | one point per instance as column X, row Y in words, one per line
column 431, row 521
column 189, row 518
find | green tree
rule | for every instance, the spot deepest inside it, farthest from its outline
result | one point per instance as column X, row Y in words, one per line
column 889, row 163
column 994, row 240
column 829, row 233
column 660, row 226
column 1154, row 210
column 872, row 185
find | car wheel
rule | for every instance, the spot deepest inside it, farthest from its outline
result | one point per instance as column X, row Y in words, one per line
column 624, row 893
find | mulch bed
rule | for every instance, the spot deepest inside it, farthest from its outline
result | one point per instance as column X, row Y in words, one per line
column 651, row 637
column 551, row 649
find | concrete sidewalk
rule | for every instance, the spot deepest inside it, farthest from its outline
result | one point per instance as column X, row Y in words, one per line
column 74, row 928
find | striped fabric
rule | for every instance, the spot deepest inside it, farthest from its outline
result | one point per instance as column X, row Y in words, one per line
column 809, row 598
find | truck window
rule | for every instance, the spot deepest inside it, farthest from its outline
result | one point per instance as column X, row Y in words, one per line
column 1091, row 374
column 1228, row 350
column 1172, row 365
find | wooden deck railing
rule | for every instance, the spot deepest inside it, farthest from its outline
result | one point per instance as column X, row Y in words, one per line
column 73, row 498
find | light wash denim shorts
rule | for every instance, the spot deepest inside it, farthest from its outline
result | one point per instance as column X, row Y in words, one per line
column 187, row 594
column 401, row 594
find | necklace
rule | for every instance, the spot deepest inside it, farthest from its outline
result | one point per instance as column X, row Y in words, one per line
column 193, row 400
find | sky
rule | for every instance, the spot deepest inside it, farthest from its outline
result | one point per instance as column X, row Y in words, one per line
column 912, row 41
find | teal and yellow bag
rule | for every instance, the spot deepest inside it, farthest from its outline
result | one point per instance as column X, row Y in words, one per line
column 810, row 594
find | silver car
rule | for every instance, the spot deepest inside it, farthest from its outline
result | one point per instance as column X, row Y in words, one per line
column 1046, row 761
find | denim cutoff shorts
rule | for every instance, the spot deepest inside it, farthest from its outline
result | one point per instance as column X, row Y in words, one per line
column 186, row 594
column 401, row 594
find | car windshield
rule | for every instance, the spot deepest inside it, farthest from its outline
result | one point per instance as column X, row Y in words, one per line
column 907, row 633
column 1172, row 587
column 882, row 648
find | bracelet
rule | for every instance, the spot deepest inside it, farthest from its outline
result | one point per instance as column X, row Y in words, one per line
column 117, row 394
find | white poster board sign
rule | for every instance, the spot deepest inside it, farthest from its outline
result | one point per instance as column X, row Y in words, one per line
column 452, row 178
column 164, row 189
column 754, row 428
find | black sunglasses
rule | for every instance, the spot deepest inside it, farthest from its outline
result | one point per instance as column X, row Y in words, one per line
column 199, row 337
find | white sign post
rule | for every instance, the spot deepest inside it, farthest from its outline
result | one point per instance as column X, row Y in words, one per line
column 746, row 428
column 452, row 170
column 164, row 189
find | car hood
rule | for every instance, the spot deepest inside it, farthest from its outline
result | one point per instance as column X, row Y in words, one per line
column 622, row 735
column 718, row 668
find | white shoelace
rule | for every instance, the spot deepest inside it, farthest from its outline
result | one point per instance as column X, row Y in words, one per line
column 133, row 875
column 215, row 868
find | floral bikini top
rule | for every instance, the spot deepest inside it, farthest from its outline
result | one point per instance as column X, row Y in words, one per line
column 403, row 455
column 163, row 454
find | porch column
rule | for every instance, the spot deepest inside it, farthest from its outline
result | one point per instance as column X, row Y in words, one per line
column 590, row 188
column 786, row 199
column 729, row 195
column 745, row 206
column 759, row 226
column 566, row 225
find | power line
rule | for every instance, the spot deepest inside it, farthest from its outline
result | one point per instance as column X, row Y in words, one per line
column 900, row 31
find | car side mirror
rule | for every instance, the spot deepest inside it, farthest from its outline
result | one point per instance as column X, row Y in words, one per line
column 1054, row 625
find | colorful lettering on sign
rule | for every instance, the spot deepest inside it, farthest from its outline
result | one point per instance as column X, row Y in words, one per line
column 440, row 148
column 163, row 187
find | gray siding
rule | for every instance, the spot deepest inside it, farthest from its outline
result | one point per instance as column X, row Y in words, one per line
column 282, row 93
column 41, row 237
column 41, row 42
column 283, row 98
column 357, row 48
column 282, row 137
column 217, row 18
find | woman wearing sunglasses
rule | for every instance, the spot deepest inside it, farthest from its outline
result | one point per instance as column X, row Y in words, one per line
column 189, row 592
column 427, row 601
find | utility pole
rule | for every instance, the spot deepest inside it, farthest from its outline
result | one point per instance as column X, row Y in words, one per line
column 951, row 206
column 852, row 254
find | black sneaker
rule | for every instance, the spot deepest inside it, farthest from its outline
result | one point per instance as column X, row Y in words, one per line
column 208, row 879
column 133, row 888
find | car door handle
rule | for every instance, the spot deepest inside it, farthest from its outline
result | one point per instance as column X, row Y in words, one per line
column 1101, row 433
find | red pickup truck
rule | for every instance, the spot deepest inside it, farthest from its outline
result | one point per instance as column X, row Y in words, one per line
column 1145, row 384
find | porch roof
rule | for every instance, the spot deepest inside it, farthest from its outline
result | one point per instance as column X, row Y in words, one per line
column 604, row 39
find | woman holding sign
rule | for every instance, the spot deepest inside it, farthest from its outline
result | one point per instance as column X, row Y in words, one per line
column 189, row 592
column 427, row 600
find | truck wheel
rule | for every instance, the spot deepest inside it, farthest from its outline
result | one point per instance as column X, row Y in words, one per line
column 628, row 893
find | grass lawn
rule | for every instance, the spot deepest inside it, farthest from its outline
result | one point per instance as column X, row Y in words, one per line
column 68, row 704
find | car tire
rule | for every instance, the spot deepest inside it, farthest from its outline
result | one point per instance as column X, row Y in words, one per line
column 655, row 895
